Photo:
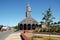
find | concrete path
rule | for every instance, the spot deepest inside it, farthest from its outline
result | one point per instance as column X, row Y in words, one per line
column 14, row 36
column 4, row 34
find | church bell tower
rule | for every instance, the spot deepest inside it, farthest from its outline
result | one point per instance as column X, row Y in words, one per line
column 28, row 11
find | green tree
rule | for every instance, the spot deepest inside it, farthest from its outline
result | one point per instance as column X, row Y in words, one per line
column 48, row 17
column 15, row 27
column 58, row 22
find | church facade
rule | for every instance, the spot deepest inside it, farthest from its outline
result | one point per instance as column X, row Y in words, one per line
column 28, row 23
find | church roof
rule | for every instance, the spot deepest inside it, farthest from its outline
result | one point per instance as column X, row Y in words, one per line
column 28, row 21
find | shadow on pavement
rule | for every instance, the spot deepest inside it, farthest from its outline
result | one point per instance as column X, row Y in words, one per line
column 21, row 37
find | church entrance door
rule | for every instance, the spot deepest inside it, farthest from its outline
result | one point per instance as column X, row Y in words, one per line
column 25, row 26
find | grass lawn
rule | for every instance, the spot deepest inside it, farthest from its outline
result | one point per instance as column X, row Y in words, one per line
column 38, row 37
column 44, row 38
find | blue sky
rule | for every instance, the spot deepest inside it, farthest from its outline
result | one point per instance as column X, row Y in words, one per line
column 14, row 11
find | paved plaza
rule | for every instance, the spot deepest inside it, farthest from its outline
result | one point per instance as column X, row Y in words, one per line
column 10, row 35
column 14, row 36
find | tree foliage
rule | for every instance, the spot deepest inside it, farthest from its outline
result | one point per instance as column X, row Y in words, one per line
column 15, row 27
column 48, row 17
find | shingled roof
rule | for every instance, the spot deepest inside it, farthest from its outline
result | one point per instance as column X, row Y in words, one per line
column 28, row 21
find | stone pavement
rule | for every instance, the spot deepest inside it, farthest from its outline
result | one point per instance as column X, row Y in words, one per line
column 14, row 36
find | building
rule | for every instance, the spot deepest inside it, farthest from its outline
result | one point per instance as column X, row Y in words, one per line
column 44, row 25
column 29, row 22
column 1, row 27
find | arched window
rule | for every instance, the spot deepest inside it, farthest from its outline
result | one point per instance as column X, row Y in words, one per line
column 25, row 26
column 21, row 27
column 29, row 26
column 33, row 26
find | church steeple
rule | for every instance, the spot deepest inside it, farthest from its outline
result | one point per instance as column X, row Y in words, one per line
column 28, row 10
